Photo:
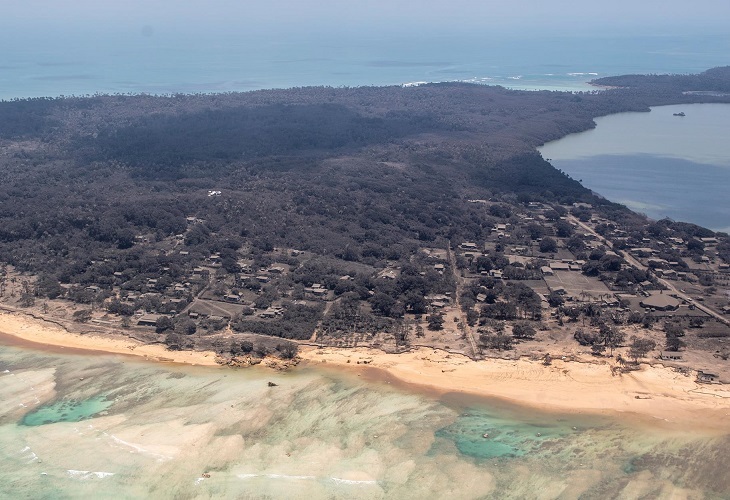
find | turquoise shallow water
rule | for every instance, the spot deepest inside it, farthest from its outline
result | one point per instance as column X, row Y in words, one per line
column 66, row 411
column 73, row 426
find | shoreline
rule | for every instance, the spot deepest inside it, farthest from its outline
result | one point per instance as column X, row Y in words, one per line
column 655, row 394
column 22, row 330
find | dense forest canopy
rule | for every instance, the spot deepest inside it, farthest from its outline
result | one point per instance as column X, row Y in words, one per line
column 360, row 174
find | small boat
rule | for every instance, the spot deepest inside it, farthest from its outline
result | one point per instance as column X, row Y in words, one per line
column 681, row 113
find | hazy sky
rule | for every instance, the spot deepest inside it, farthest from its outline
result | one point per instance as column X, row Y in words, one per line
column 442, row 15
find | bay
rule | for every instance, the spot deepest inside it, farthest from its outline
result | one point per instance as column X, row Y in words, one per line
column 656, row 163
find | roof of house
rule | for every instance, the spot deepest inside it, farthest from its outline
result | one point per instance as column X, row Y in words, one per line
column 660, row 301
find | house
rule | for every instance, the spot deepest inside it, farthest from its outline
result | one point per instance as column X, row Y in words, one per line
column 277, row 270
column 660, row 302
column 547, row 271
column 148, row 319
column 610, row 302
column 201, row 272
column 232, row 297
column 495, row 273
column 670, row 356
column 707, row 377
column 481, row 297
column 560, row 266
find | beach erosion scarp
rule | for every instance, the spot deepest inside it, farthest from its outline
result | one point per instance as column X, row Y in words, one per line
column 657, row 394
column 26, row 331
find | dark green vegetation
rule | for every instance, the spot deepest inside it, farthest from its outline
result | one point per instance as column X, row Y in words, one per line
column 120, row 198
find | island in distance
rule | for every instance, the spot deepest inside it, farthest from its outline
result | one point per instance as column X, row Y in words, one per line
column 249, row 224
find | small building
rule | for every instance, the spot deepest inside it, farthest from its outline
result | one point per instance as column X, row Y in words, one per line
column 547, row 270
column 560, row 266
column 148, row 319
column 707, row 377
column 201, row 272
column 610, row 301
column 670, row 356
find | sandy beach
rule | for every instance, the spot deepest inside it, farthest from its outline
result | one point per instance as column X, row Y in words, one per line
column 660, row 395
column 19, row 327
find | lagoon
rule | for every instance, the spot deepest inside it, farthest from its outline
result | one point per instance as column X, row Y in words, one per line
column 656, row 163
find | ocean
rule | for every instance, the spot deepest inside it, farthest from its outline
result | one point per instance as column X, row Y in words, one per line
column 110, row 426
column 45, row 62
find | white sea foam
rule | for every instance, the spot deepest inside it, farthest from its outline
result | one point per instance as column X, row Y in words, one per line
column 518, row 77
column 353, row 481
column 138, row 448
column 87, row 474
column 276, row 476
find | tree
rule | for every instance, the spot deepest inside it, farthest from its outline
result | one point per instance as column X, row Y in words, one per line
column 185, row 326
column 555, row 299
column 598, row 349
column 563, row 229
column 639, row 348
column 548, row 245
column 435, row 321
column 498, row 341
column 382, row 303
column 288, row 350
column 610, row 336
column 674, row 343
column 27, row 297
column 472, row 317
column 82, row 316
column 523, row 331
column 163, row 323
